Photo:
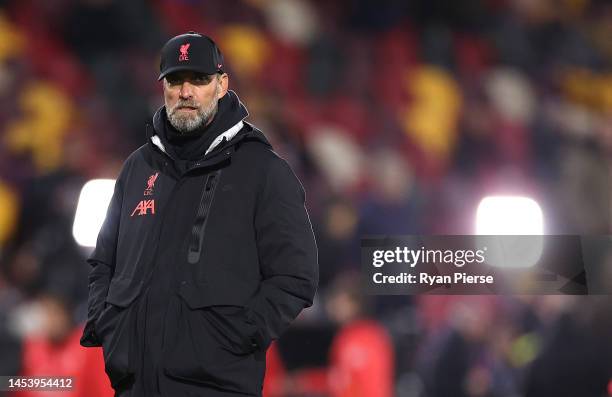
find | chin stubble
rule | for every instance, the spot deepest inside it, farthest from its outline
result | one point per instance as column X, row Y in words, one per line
column 187, row 124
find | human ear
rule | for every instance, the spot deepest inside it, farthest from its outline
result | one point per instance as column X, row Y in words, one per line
column 223, row 81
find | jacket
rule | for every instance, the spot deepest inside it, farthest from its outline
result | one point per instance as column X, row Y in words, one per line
column 231, row 236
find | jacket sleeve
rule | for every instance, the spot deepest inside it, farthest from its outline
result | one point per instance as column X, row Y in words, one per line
column 102, row 262
column 287, row 254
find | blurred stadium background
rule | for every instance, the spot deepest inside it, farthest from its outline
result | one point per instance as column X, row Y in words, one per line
column 398, row 116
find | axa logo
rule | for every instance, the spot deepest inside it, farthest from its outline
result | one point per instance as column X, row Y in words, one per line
column 184, row 52
column 143, row 208
column 151, row 184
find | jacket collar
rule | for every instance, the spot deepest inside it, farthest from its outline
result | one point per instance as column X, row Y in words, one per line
column 227, row 135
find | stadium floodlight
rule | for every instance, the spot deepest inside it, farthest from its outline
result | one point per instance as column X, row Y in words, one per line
column 94, row 199
column 511, row 228
column 504, row 215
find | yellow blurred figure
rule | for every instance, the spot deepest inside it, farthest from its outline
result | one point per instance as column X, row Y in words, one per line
column 11, row 40
column 46, row 119
column 590, row 89
column 430, row 119
column 246, row 48
column 9, row 206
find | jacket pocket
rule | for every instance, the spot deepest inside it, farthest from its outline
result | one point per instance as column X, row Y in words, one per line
column 235, row 332
column 115, row 326
column 224, row 310
column 211, row 346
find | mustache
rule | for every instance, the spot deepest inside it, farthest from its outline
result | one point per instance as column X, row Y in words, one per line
column 182, row 104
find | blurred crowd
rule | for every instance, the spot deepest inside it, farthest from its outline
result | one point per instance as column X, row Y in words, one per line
column 398, row 117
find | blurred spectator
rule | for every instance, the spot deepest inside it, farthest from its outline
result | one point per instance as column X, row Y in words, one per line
column 8, row 213
column 53, row 350
column 576, row 359
column 335, row 234
column 44, row 253
column 338, row 157
column 293, row 21
column 461, row 360
column 276, row 374
column 392, row 205
column 361, row 358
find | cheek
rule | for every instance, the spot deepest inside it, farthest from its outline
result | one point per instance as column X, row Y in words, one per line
column 170, row 98
column 205, row 96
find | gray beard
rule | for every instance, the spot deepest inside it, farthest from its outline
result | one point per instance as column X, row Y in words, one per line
column 188, row 125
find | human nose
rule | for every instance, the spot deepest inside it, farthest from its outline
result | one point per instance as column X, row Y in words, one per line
column 186, row 90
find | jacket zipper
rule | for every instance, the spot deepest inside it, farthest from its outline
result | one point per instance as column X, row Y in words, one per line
column 159, row 225
column 197, row 231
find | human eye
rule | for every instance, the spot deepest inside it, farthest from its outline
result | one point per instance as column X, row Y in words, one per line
column 201, row 79
column 173, row 80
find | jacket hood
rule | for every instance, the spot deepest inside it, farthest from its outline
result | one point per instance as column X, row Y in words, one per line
column 227, row 128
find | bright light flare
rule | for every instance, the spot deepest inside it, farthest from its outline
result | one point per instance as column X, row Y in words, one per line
column 511, row 229
column 504, row 215
column 91, row 209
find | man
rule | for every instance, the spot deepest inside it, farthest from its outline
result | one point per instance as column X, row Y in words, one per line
column 207, row 253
